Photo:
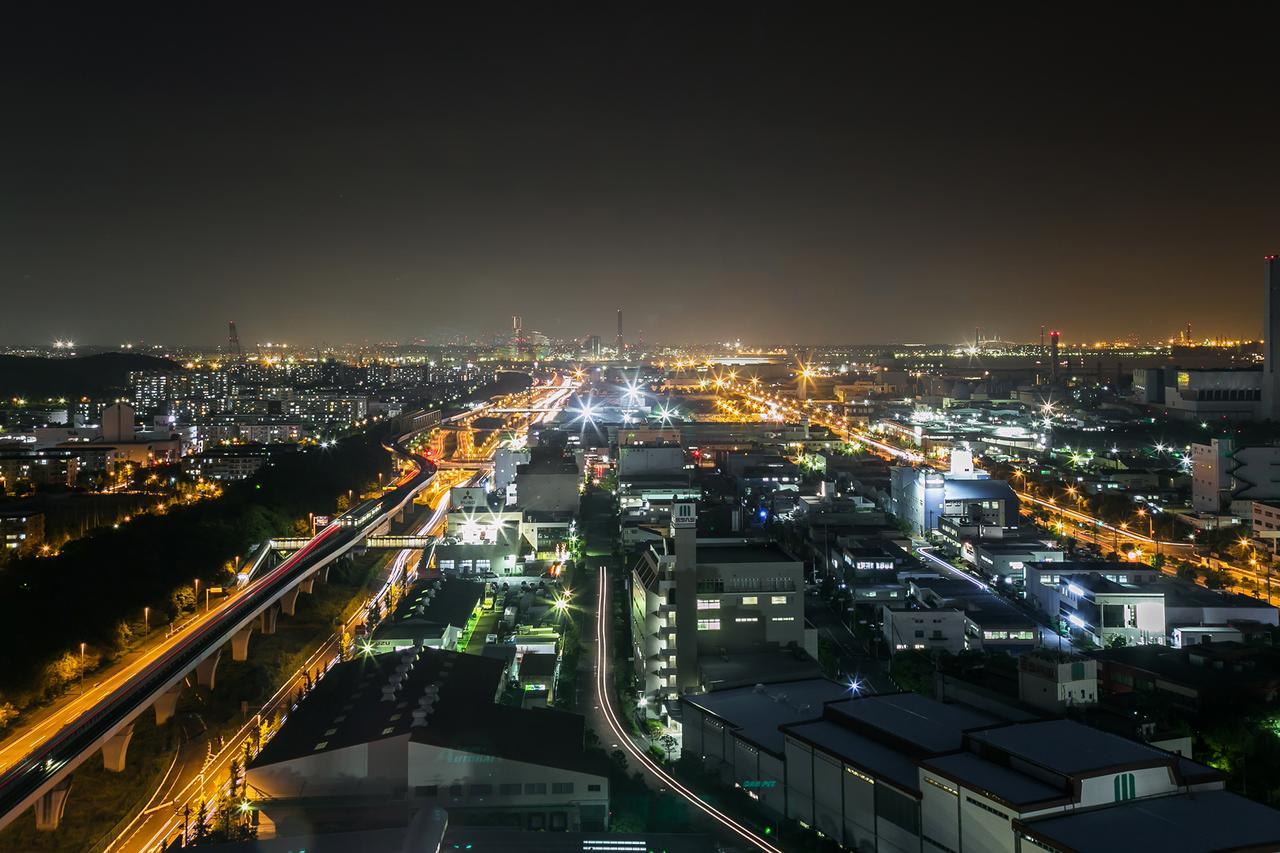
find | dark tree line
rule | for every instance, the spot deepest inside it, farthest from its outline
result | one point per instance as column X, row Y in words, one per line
column 95, row 590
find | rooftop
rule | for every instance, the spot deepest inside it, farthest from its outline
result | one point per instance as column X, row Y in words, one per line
column 977, row 490
column 1178, row 594
column 348, row 707
column 874, row 757
column 1187, row 823
column 997, row 781
column 433, row 605
column 1069, row 748
column 757, row 712
column 744, row 551
column 923, row 725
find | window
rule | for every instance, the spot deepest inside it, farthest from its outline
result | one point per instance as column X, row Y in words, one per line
column 509, row 789
column 744, row 619
column 562, row 787
column 455, row 790
column 426, row 790
column 708, row 624
column 935, row 783
column 535, row 787
column 708, row 603
column 481, row 790
column 777, row 599
column 750, row 599
column 593, row 787
column 784, row 619
column 986, row 807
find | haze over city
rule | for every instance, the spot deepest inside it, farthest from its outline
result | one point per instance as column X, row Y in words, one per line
column 765, row 175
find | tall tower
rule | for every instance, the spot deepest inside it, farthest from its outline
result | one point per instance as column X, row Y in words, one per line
column 684, row 532
column 620, row 341
column 233, row 340
column 1271, row 341
column 1054, row 337
column 517, row 335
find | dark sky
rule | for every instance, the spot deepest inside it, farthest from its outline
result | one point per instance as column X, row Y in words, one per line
column 775, row 176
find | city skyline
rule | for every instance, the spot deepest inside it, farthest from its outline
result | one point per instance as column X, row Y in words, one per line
column 770, row 177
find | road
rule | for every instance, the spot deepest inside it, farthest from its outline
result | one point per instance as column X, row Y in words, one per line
column 67, row 738
column 622, row 737
column 861, row 668
column 195, row 775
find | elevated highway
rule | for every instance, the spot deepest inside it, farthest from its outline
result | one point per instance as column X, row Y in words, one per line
column 43, row 777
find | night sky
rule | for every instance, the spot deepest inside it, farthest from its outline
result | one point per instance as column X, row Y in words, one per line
column 778, row 177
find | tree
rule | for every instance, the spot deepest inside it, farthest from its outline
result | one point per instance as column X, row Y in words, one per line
column 914, row 669
column 8, row 714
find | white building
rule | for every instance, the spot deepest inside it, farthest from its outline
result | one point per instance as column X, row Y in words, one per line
column 1054, row 681
column 901, row 772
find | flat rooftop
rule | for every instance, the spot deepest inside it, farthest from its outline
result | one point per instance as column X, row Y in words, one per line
column 871, row 756
column 923, row 725
column 743, row 552
column 1069, row 748
column 757, row 711
column 997, row 781
column 347, row 708
column 1187, row 823
column 433, row 604
column 1190, row 595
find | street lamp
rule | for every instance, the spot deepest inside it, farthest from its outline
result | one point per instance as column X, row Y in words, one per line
column 146, row 621
column 82, row 667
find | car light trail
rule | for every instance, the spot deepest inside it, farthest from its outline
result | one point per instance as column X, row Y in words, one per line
column 624, row 737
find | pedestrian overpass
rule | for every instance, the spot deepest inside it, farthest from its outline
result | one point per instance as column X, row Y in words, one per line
column 294, row 543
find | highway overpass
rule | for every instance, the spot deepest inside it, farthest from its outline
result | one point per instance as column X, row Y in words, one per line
column 43, row 778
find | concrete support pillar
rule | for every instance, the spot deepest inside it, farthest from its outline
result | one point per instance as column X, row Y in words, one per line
column 240, row 643
column 289, row 603
column 113, row 751
column 323, row 574
column 307, row 584
column 206, row 669
column 268, row 620
column 167, row 703
column 52, row 804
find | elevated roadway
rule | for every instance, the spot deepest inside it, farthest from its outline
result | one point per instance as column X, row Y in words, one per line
column 104, row 722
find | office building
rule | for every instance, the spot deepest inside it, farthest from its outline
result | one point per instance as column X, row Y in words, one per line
column 694, row 597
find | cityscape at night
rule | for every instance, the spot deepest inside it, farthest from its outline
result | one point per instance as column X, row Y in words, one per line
column 639, row 429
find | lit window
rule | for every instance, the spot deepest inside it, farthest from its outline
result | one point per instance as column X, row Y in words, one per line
column 750, row 599
column 784, row 619
column 745, row 619
column 777, row 599
column 708, row 624
column 708, row 603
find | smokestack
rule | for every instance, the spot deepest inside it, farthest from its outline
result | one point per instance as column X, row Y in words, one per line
column 1054, row 336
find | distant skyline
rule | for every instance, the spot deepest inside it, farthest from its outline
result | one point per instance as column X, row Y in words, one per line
column 354, row 175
